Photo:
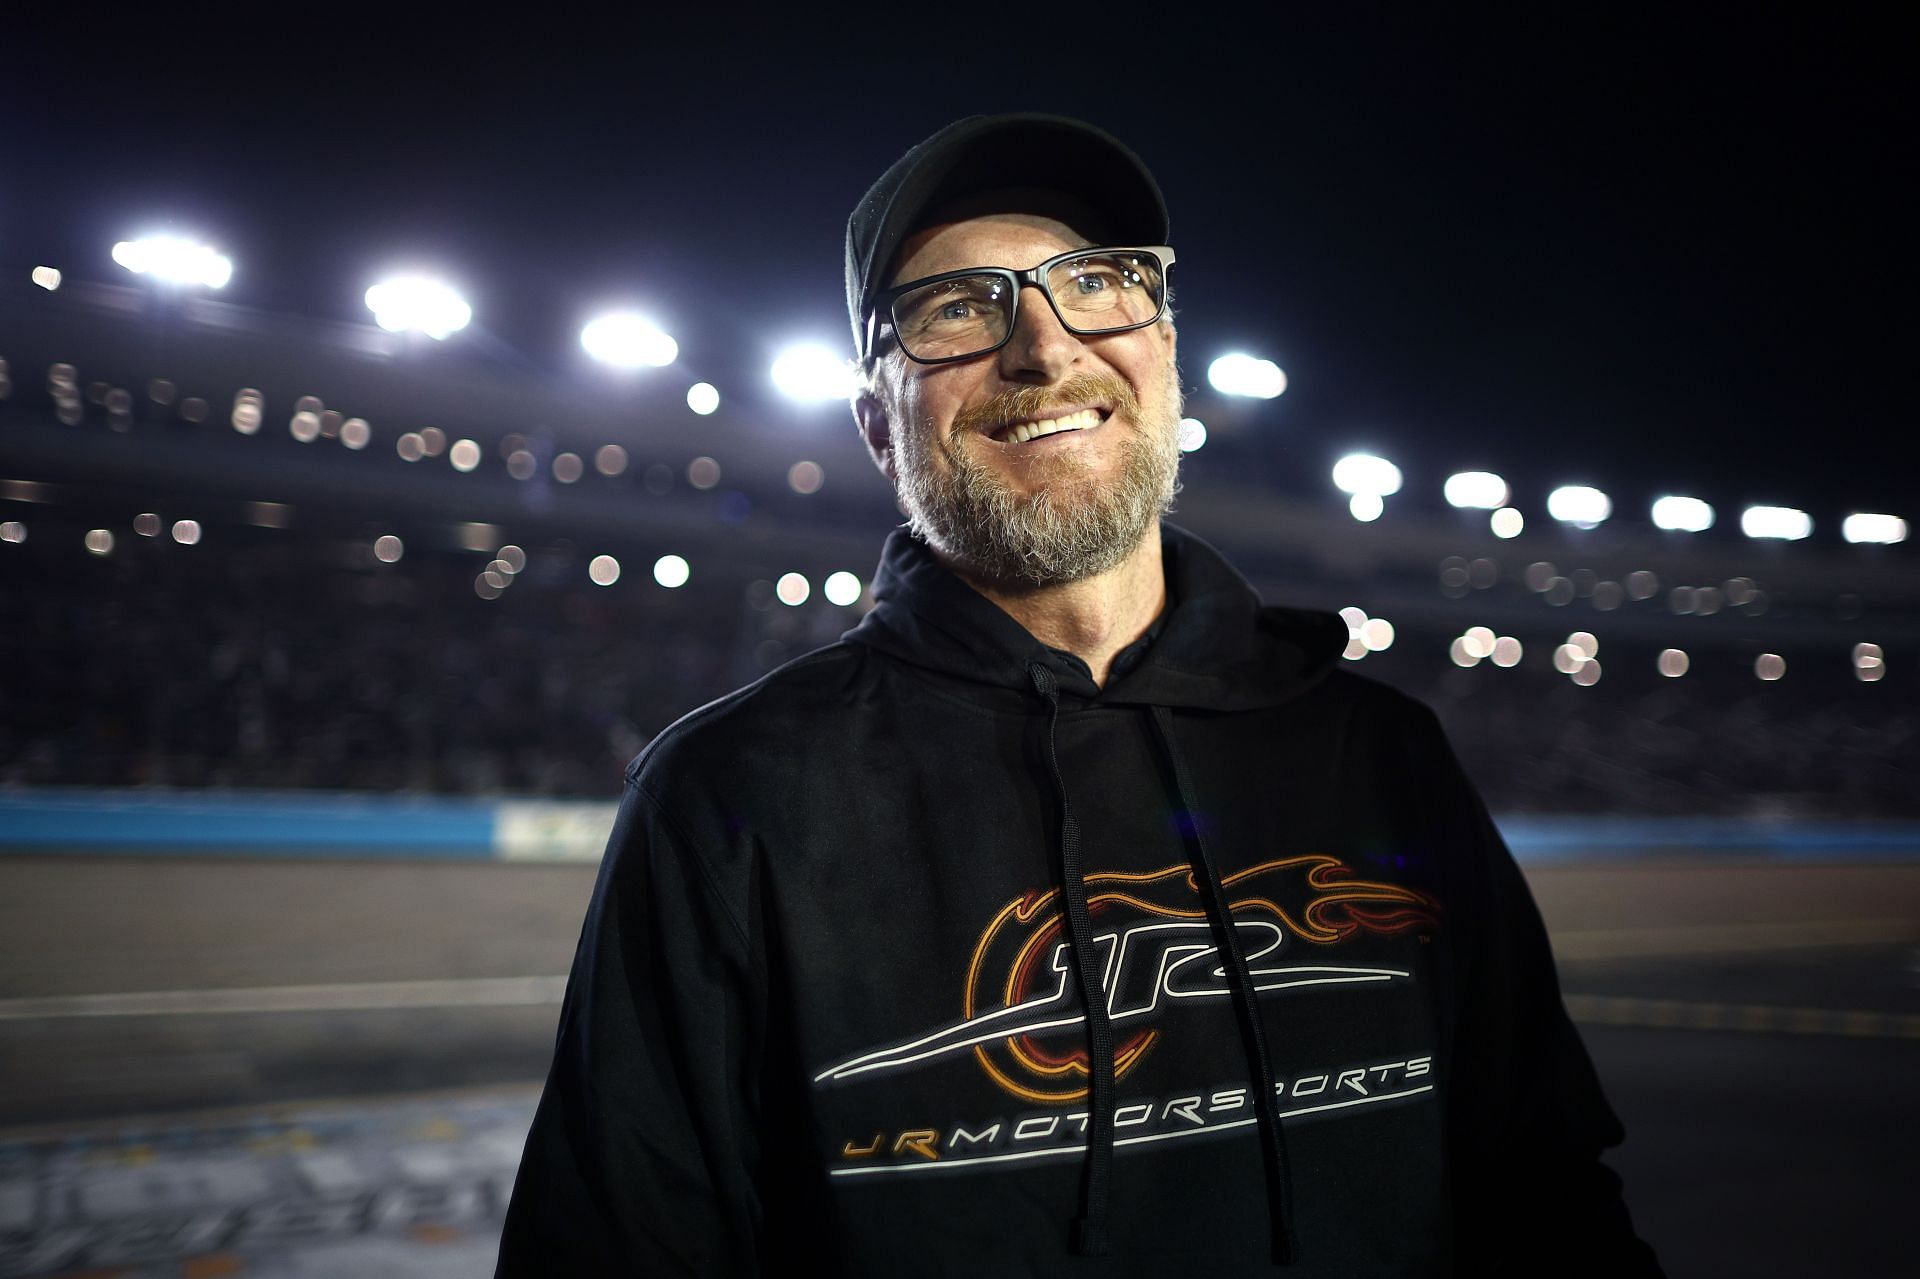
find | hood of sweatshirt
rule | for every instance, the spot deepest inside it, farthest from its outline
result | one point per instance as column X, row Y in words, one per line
column 1218, row 648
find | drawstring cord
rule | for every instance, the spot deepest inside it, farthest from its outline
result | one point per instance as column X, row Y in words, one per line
column 1090, row 1230
column 1273, row 1141
column 1090, row 1233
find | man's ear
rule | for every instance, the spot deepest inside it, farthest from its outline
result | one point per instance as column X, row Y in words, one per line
column 877, row 430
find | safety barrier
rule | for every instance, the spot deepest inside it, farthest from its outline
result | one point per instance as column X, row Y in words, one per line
column 361, row 825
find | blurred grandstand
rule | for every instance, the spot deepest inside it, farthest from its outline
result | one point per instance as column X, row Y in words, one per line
column 248, row 550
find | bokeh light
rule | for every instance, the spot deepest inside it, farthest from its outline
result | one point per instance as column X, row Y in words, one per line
column 1682, row 514
column 842, row 588
column 671, row 571
column 1783, row 522
column 174, row 259
column 1881, row 529
column 792, row 589
column 811, row 373
column 415, row 303
column 627, row 340
column 1579, row 505
column 1246, row 375
column 1475, row 490
column 805, row 477
column 1365, row 473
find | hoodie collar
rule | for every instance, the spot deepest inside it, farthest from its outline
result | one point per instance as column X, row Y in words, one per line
column 1217, row 647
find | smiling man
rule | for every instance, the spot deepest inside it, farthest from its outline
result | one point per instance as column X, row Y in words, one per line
column 1074, row 913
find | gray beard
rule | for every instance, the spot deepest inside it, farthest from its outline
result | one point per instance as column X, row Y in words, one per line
column 1071, row 529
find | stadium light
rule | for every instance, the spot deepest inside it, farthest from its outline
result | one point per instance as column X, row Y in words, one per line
column 1247, row 375
column 413, row 302
column 1775, row 521
column 1193, row 435
column 812, row 373
column 703, row 398
column 1881, row 529
column 47, row 277
column 1579, row 506
column 628, row 341
column 1682, row 514
column 174, row 259
column 1365, row 473
column 1369, row 480
column 1476, row 491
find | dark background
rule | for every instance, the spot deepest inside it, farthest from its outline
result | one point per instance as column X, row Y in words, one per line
column 1658, row 251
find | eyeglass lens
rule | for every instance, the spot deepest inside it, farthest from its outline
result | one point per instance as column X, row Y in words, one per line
column 1092, row 293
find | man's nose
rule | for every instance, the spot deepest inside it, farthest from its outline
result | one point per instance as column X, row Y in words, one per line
column 1041, row 349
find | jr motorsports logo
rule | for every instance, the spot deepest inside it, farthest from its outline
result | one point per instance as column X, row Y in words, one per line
column 1154, row 948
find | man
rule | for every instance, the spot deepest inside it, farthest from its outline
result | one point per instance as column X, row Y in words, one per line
column 1074, row 913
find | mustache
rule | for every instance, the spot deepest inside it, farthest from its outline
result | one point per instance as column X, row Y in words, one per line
column 1032, row 403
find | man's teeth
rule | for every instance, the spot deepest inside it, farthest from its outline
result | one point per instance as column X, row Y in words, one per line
column 1072, row 422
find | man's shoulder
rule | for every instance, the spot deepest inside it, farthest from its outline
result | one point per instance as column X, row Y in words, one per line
column 1373, row 700
column 788, row 710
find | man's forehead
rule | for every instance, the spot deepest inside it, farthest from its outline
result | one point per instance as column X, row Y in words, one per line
column 1081, row 223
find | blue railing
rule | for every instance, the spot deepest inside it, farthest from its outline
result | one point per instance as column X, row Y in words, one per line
column 361, row 825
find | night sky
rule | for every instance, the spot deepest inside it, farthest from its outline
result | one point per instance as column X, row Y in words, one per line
column 1629, row 253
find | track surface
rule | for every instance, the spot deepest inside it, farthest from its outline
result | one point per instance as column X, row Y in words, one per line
column 1755, row 1023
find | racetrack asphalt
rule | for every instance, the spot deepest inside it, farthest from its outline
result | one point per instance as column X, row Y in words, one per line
column 263, row 1068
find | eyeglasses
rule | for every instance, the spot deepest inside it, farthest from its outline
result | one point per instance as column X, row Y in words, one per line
column 957, row 315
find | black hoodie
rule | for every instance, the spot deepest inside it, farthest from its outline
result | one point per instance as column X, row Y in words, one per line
column 829, row 1007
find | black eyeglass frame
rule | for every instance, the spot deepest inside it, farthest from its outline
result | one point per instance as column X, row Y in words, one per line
column 1020, row 280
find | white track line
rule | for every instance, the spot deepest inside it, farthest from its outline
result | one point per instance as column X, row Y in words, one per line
column 467, row 992
column 508, row 992
column 1680, row 1014
column 1719, row 939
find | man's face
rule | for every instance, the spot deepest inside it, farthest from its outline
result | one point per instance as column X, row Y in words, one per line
column 1057, row 508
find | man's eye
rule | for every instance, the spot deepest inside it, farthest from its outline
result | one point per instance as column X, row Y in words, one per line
column 1090, row 283
column 956, row 310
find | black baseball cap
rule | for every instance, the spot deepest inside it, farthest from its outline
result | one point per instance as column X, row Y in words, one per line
column 987, row 152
